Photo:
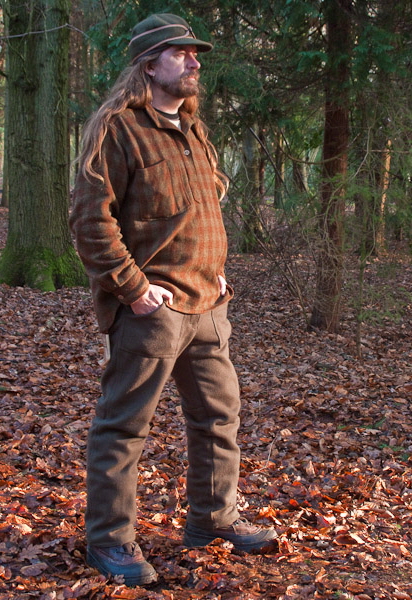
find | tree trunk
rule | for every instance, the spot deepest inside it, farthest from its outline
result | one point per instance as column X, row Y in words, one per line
column 4, row 200
column 39, row 252
column 5, row 174
column 251, row 218
column 299, row 176
column 385, row 181
column 262, row 165
column 326, row 309
column 279, row 183
column 82, row 17
column 373, row 179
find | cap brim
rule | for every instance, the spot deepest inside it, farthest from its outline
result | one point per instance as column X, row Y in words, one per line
column 189, row 41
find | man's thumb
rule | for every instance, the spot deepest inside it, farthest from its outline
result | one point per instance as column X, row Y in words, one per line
column 169, row 296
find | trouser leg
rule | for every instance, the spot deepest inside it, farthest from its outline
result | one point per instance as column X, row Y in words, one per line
column 207, row 381
column 142, row 358
column 145, row 351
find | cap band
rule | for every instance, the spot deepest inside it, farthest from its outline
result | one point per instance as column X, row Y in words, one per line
column 188, row 32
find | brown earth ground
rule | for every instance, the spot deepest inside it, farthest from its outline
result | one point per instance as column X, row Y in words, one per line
column 326, row 440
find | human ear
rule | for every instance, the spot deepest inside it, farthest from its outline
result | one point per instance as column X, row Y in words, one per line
column 150, row 69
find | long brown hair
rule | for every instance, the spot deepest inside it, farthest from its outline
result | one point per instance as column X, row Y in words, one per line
column 133, row 90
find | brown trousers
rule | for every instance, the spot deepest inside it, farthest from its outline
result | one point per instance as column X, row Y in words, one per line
column 145, row 352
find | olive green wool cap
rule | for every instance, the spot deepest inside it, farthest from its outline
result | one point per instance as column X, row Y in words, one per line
column 160, row 29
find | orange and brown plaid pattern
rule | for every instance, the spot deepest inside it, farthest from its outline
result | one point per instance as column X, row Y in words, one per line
column 156, row 218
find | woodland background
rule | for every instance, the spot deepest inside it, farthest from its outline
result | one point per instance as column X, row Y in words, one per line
column 309, row 105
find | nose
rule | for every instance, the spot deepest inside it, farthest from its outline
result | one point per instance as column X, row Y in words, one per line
column 193, row 63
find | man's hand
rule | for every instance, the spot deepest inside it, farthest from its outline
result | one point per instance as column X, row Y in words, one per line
column 222, row 285
column 151, row 300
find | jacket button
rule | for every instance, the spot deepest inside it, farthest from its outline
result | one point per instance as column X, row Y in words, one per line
column 187, row 152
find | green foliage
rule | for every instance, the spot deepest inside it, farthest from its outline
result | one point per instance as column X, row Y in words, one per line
column 310, row 60
column 374, row 49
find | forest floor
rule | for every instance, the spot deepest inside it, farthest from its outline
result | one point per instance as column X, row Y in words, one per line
column 326, row 441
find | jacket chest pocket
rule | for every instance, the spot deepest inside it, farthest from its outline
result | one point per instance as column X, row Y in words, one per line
column 159, row 194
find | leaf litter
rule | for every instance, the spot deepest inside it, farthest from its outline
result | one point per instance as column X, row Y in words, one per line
column 326, row 444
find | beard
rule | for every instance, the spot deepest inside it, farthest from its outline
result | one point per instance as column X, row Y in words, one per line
column 184, row 87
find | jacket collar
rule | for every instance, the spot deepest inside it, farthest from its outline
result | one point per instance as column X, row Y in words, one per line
column 162, row 122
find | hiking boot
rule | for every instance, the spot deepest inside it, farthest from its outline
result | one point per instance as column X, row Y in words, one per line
column 126, row 560
column 243, row 535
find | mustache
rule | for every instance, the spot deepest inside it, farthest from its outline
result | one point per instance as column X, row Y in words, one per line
column 194, row 75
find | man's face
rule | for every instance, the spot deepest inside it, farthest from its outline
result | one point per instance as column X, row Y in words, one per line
column 176, row 72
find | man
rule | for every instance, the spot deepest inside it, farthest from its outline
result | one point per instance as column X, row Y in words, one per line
column 149, row 230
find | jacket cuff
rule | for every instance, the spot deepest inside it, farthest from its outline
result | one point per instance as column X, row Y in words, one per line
column 132, row 290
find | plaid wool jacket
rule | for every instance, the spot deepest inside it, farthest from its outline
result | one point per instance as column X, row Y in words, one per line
column 155, row 219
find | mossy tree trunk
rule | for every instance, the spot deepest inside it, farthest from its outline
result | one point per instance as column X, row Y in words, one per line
column 39, row 251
